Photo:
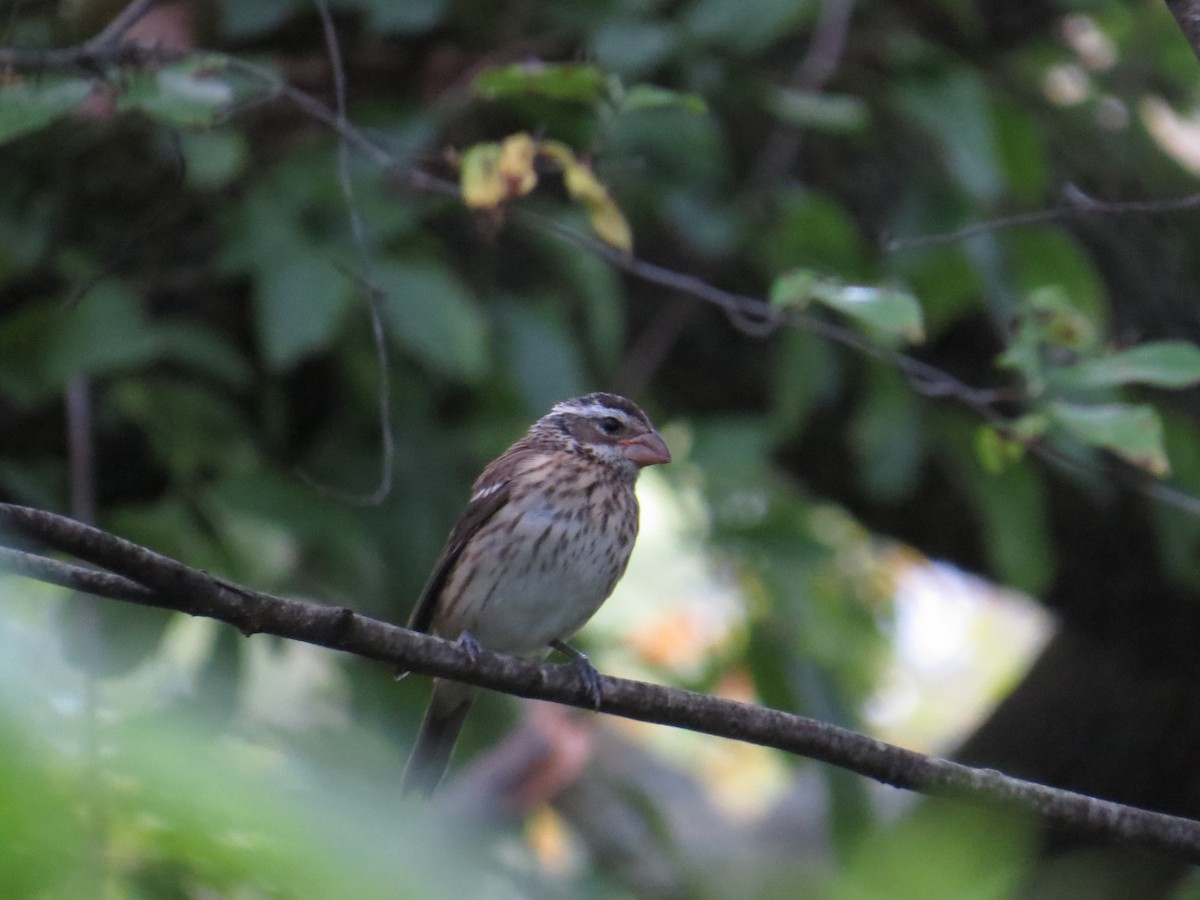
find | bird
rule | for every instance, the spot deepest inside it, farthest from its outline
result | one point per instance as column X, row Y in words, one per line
column 543, row 541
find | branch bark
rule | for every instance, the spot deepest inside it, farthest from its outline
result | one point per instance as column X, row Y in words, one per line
column 137, row 574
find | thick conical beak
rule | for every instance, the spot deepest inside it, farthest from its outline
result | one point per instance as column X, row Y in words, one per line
column 646, row 449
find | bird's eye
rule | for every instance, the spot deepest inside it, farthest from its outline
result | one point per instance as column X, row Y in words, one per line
column 610, row 425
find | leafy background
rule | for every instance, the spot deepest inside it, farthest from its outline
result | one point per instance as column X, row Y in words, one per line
column 177, row 258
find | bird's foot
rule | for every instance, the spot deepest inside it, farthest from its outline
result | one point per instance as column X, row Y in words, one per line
column 470, row 646
column 587, row 672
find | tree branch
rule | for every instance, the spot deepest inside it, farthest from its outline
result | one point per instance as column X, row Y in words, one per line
column 108, row 47
column 148, row 578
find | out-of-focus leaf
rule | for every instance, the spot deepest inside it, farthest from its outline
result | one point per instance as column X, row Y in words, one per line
column 631, row 48
column 191, row 430
column 606, row 217
column 213, row 158
column 1011, row 508
column 1020, row 144
column 810, row 228
column 832, row 113
column 34, row 102
column 408, row 17
column 43, row 835
column 1050, row 258
column 1165, row 364
column 1047, row 319
column 299, row 296
column 542, row 357
column 202, row 350
column 190, row 92
column 106, row 330
column 983, row 853
column 708, row 225
column 1178, row 530
column 1133, row 433
column 241, row 19
column 597, row 288
column 748, row 26
column 803, row 372
column 888, row 437
column 953, row 108
column 647, row 96
column 893, row 311
column 557, row 81
column 493, row 173
column 997, row 449
column 434, row 315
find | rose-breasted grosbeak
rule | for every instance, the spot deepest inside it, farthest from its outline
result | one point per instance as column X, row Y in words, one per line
column 542, row 543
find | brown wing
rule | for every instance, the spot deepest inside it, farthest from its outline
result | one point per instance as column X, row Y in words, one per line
column 491, row 497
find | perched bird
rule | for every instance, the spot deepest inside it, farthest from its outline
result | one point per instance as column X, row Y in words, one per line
column 542, row 543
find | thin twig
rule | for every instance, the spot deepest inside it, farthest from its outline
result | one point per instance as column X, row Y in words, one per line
column 752, row 315
column 813, row 70
column 114, row 32
column 374, row 294
column 1075, row 205
column 106, row 48
column 152, row 579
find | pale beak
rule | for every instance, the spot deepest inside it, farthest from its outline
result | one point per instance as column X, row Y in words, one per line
column 647, row 449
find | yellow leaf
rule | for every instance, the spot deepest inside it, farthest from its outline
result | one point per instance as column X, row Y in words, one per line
column 516, row 164
column 479, row 177
column 607, row 220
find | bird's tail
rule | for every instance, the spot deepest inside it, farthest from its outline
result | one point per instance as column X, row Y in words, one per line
column 448, row 708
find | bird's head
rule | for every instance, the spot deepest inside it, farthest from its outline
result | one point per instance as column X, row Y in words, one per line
column 609, row 428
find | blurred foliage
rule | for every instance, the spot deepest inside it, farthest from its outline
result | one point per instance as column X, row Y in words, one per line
column 183, row 244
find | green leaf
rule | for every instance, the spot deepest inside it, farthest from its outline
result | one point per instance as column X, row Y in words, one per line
column 1134, row 433
column 35, row 102
column 432, row 313
column 1165, row 364
column 213, row 158
column 831, row 113
column 746, row 27
column 953, row 108
column 647, row 96
column 1049, row 258
column 299, row 296
column 631, row 48
column 557, row 81
column 543, row 358
column 890, row 310
column 106, row 331
column 240, row 19
column 181, row 94
column 887, row 436
column 996, row 451
column 407, row 17
column 812, row 226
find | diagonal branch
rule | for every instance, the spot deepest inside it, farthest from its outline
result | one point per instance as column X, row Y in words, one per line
column 148, row 578
column 108, row 47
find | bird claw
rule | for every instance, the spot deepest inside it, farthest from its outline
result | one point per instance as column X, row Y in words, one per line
column 588, row 674
column 470, row 646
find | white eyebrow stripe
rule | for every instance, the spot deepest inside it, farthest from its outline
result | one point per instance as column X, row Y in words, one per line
column 593, row 410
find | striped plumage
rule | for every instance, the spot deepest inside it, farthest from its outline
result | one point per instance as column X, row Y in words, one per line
column 542, row 543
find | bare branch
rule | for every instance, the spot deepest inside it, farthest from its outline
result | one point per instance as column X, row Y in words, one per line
column 373, row 293
column 1075, row 205
column 153, row 579
column 114, row 32
column 107, row 48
